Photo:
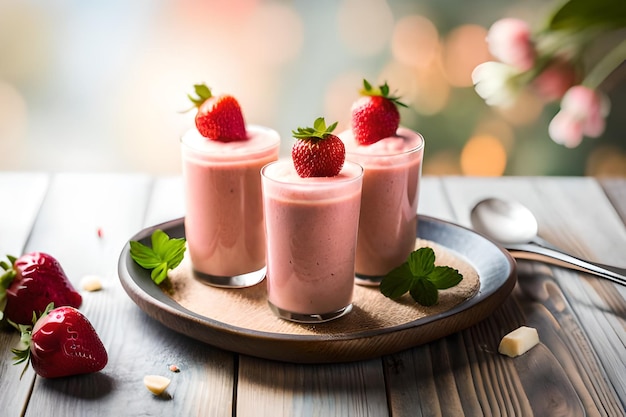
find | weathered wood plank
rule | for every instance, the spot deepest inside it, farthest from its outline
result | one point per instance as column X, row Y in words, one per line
column 615, row 188
column 267, row 388
column 208, row 373
column 166, row 200
column 22, row 194
column 560, row 377
column 573, row 213
column 75, row 207
column 340, row 389
column 578, row 369
column 432, row 201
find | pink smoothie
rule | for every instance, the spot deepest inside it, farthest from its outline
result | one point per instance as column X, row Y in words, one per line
column 224, row 224
column 388, row 219
column 311, row 228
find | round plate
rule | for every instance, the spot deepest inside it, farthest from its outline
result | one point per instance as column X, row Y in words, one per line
column 496, row 269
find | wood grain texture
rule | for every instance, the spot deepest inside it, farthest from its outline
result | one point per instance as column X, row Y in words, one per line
column 74, row 209
column 578, row 368
column 560, row 204
column 615, row 188
column 24, row 193
column 270, row 388
column 267, row 388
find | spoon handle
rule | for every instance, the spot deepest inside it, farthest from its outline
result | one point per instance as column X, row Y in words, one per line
column 525, row 251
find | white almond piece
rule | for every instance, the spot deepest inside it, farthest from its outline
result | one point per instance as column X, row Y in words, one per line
column 519, row 341
column 91, row 283
column 156, row 383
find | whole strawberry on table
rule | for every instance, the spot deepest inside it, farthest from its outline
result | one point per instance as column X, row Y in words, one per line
column 58, row 341
column 31, row 282
column 375, row 114
column 62, row 342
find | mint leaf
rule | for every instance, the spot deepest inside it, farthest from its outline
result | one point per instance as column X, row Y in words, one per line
column 424, row 292
column 422, row 261
column 166, row 254
column 159, row 273
column 445, row 277
column 144, row 255
column 395, row 284
column 420, row 278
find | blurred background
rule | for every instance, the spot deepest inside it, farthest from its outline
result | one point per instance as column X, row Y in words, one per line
column 101, row 86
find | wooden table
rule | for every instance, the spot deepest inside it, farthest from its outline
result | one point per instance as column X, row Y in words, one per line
column 578, row 369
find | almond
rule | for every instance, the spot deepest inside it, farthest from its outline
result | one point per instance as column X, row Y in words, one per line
column 156, row 384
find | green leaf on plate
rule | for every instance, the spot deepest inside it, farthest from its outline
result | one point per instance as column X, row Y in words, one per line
column 165, row 254
column 420, row 278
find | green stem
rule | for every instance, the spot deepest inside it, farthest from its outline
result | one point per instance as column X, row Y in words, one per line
column 606, row 66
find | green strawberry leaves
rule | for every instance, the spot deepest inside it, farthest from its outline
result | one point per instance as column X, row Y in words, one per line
column 7, row 274
column 203, row 94
column 21, row 354
column 420, row 278
column 166, row 253
column 319, row 130
column 381, row 90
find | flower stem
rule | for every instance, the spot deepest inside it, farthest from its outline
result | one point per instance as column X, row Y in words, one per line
column 607, row 64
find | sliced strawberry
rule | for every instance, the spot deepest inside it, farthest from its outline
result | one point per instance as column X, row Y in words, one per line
column 375, row 116
column 30, row 283
column 317, row 152
column 62, row 342
column 219, row 117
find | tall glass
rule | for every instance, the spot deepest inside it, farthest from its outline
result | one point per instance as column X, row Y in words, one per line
column 388, row 219
column 224, row 224
column 311, row 226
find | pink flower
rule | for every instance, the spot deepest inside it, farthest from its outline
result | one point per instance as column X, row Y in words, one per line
column 552, row 83
column 582, row 113
column 509, row 40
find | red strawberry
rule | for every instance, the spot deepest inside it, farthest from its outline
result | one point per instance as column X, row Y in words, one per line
column 62, row 343
column 30, row 283
column 375, row 116
column 219, row 117
column 317, row 152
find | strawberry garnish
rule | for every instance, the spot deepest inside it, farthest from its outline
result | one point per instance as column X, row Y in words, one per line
column 219, row 117
column 317, row 152
column 375, row 116
column 32, row 281
column 61, row 343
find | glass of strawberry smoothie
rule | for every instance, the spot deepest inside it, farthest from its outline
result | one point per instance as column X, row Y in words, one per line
column 311, row 227
column 224, row 224
column 388, row 218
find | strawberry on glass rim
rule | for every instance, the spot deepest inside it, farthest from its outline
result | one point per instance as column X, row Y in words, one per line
column 31, row 282
column 219, row 118
column 375, row 115
column 62, row 342
column 317, row 152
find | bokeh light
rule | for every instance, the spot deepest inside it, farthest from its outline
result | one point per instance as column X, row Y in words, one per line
column 465, row 48
column 525, row 111
column 441, row 163
column 13, row 124
column 483, row 155
column 339, row 96
column 109, row 83
column 415, row 41
column 606, row 161
column 364, row 25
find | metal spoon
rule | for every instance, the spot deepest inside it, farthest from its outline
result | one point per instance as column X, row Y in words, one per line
column 515, row 227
